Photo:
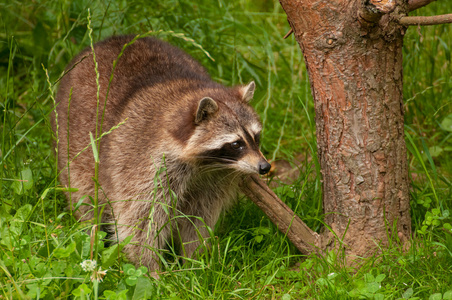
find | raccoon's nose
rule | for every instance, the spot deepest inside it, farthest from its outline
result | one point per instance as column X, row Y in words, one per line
column 264, row 167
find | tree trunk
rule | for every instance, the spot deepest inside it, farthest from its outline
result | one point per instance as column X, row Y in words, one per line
column 353, row 54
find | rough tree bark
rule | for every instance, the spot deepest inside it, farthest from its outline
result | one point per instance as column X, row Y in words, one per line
column 353, row 53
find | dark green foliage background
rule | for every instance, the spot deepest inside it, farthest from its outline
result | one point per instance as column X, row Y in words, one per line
column 41, row 245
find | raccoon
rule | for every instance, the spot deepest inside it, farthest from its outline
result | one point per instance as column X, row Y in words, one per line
column 176, row 161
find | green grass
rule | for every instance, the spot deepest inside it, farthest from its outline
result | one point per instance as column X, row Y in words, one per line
column 41, row 245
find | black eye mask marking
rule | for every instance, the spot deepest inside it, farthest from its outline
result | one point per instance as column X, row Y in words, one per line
column 227, row 154
column 232, row 152
column 257, row 138
column 250, row 141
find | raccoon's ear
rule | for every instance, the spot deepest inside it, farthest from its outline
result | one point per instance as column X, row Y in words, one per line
column 206, row 107
column 247, row 91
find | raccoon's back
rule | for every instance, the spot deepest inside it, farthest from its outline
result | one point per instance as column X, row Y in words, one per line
column 145, row 64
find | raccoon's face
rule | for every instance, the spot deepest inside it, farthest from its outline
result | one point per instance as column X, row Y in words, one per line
column 227, row 134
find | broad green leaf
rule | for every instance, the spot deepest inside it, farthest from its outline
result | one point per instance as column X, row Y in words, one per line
column 126, row 240
column 19, row 218
column 5, row 208
column 131, row 280
column 129, row 269
column 110, row 295
column 110, row 255
column 446, row 124
column 64, row 252
column 259, row 238
column 144, row 289
column 24, row 182
column 373, row 287
column 286, row 297
column 81, row 291
column 33, row 290
column 138, row 273
column 379, row 296
column 321, row 282
column 369, row 277
column 448, row 295
column 23, row 212
column 435, row 151
column 58, row 268
column 447, row 226
column 380, row 278
column 355, row 293
column 331, row 276
column 262, row 230
column 408, row 293
column 436, row 296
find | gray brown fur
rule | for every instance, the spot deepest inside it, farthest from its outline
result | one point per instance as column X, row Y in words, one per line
column 172, row 108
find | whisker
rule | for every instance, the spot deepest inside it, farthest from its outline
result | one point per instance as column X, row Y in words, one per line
column 209, row 158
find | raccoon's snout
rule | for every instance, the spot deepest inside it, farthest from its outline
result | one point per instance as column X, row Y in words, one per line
column 264, row 167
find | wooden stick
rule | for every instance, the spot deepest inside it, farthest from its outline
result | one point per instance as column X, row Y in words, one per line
column 433, row 20
column 306, row 240
column 288, row 33
column 416, row 4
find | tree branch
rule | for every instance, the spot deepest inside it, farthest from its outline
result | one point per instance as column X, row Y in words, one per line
column 371, row 11
column 288, row 33
column 416, row 4
column 433, row 20
column 280, row 214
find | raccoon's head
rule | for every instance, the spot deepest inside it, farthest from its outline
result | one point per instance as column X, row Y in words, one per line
column 227, row 132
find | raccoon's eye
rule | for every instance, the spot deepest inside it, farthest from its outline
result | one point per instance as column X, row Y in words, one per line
column 237, row 145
